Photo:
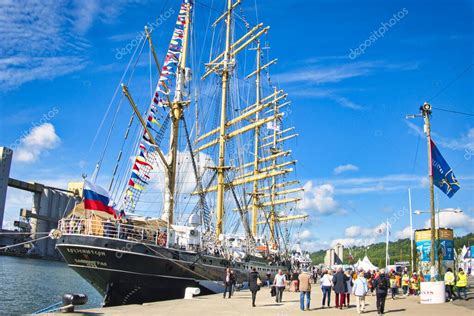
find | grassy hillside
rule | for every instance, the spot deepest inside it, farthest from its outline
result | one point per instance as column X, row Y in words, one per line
column 398, row 251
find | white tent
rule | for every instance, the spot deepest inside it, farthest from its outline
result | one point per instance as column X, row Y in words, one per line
column 357, row 264
column 365, row 265
column 465, row 260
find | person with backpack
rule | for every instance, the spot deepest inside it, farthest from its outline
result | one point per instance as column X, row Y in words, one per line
column 254, row 284
column 381, row 284
column 360, row 289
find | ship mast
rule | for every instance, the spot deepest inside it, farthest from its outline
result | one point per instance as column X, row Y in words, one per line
column 255, row 199
column 221, row 168
column 176, row 108
column 176, row 113
column 273, row 188
column 277, row 153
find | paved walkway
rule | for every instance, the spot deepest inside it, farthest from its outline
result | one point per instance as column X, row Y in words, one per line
column 240, row 304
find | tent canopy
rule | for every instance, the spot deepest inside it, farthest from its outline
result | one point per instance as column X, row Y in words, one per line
column 365, row 265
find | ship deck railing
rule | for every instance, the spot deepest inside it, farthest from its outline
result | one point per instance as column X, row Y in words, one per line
column 112, row 229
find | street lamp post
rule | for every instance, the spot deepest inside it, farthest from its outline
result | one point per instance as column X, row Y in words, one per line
column 411, row 233
column 426, row 113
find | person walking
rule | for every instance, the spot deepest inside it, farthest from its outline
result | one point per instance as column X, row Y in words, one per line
column 370, row 283
column 461, row 284
column 349, row 283
column 398, row 282
column 414, row 284
column 228, row 281
column 304, row 280
column 268, row 280
column 405, row 283
column 254, row 284
column 449, row 283
column 294, row 287
column 339, row 281
column 360, row 289
column 393, row 285
column 315, row 275
column 326, row 285
column 381, row 284
column 233, row 280
column 279, row 283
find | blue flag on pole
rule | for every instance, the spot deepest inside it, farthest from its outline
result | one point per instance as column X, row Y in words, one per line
column 443, row 175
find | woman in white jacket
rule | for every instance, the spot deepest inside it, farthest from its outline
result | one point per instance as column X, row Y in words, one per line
column 360, row 289
column 326, row 285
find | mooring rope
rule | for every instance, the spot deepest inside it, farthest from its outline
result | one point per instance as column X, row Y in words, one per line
column 24, row 243
column 23, row 233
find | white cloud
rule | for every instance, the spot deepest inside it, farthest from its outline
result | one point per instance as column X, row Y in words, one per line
column 319, row 74
column 361, row 236
column 353, row 231
column 314, row 245
column 314, row 73
column 448, row 218
column 350, row 242
column 326, row 94
column 319, row 199
column 344, row 168
column 358, row 231
column 464, row 143
column 404, row 233
column 40, row 139
column 45, row 39
column 305, row 234
column 414, row 129
column 361, row 185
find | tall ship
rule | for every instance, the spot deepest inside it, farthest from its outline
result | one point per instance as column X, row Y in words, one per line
column 204, row 179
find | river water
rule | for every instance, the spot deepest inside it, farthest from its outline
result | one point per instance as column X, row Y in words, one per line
column 27, row 285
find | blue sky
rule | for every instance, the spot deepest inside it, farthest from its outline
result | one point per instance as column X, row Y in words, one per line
column 356, row 151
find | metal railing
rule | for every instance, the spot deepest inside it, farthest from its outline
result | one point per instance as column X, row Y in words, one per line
column 112, row 229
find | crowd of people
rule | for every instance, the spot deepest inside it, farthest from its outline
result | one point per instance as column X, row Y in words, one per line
column 360, row 284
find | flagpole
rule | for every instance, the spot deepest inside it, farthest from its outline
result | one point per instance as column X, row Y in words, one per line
column 426, row 112
column 386, row 245
column 412, row 261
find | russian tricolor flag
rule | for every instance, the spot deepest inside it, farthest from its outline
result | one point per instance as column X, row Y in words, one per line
column 97, row 198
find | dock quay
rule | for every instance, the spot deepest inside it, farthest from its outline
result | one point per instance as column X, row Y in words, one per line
column 240, row 304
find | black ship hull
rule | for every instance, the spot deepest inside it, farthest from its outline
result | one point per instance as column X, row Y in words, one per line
column 129, row 272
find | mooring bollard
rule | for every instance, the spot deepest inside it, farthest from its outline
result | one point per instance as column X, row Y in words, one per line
column 71, row 300
column 190, row 292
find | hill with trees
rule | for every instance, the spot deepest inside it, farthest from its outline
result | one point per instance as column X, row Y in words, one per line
column 398, row 251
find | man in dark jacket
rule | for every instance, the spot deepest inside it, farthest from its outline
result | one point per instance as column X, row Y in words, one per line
column 228, row 282
column 339, row 281
column 381, row 285
column 254, row 284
